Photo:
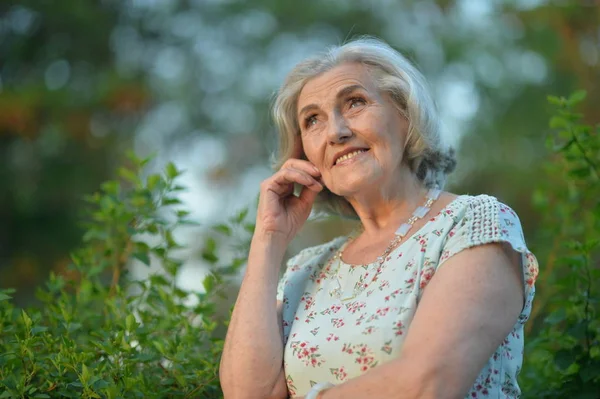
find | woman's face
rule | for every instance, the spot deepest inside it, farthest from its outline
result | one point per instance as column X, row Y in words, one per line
column 342, row 111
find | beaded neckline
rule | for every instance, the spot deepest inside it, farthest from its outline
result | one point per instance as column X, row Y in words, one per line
column 359, row 287
column 347, row 240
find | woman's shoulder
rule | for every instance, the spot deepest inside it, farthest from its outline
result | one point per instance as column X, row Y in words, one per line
column 475, row 204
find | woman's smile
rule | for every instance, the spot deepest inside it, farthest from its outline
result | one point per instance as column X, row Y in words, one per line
column 351, row 158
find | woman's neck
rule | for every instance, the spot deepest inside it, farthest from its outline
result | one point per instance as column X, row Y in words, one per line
column 381, row 211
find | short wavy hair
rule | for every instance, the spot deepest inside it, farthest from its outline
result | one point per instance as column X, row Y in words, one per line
column 427, row 152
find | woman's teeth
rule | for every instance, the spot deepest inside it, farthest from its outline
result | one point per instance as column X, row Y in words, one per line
column 348, row 156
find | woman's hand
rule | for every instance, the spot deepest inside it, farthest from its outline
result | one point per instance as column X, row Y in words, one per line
column 280, row 212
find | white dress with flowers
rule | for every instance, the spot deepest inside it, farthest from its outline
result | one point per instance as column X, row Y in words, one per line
column 330, row 340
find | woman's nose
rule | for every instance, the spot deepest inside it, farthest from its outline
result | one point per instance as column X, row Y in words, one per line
column 339, row 131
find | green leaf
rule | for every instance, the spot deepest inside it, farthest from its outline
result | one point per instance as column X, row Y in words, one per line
column 182, row 214
column 142, row 257
column 85, row 374
column 577, row 97
column 578, row 330
column 172, row 171
column 564, row 358
column 589, row 372
column 38, row 329
column 4, row 297
column 581, row 172
column 171, row 201
column 154, row 181
column 100, row 384
column 556, row 317
column 26, row 319
column 557, row 122
column 110, row 187
column 159, row 280
column 223, row 228
column 555, row 100
column 130, row 322
column 159, row 346
column 209, row 283
column 128, row 175
column 249, row 227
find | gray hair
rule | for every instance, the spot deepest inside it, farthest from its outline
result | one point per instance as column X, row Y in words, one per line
column 427, row 152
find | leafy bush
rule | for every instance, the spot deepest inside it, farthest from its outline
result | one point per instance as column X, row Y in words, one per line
column 563, row 360
column 98, row 333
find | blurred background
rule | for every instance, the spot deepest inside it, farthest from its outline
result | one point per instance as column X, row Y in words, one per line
column 191, row 81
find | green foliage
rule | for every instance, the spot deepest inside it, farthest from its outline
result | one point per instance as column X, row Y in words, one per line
column 100, row 334
column 563, row 360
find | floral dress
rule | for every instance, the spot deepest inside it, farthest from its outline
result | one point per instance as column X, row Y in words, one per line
column 327, row 339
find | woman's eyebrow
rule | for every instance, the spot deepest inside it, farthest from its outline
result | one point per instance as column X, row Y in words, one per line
column 342, row 93
column 349, row 89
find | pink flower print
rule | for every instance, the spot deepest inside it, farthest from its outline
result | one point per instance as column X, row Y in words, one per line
column 308, row 300
column 308, row 354
column 399, row 328
column 355, row 306
column 437, row 232
column 531, row 272
column 332, row 336
column 383, row 311
column 387, row 347
column 360, row 319
column 445, row 255
column 290, row 384
column 369, row 330
column 384, row 284
column 426, row 275
column 315, row 331
column 393, row 294
column 332, row 309
column 347, row 348
column 310, row 317
column 337, row 323
column 295, row 268
column 411, row 281
column 363, row 355
column 339, row 373
column 399, row 255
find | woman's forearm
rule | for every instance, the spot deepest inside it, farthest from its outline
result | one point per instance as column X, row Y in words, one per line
column 252, row 357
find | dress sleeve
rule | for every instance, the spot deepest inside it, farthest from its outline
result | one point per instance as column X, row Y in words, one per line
column 487, row 220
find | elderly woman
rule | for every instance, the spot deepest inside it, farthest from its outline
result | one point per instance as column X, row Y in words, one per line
column 427, row 299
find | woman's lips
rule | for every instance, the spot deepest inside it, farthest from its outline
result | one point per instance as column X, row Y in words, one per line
column 351, row 160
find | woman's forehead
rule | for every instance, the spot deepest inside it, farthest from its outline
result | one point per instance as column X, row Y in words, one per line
column 330, row 83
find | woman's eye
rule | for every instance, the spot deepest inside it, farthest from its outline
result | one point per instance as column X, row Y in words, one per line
column 356, row 101
column 310, row 121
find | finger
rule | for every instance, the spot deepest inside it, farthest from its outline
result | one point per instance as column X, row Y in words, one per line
column 283, row 179
column 308, row 195
column 301, row 164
